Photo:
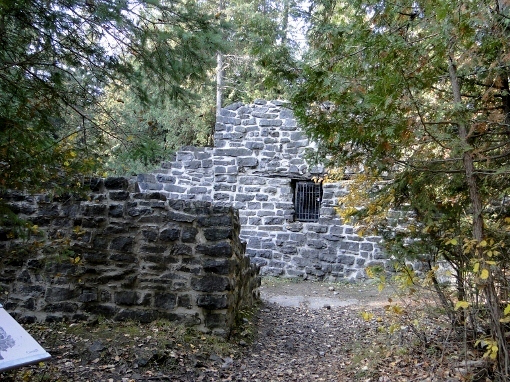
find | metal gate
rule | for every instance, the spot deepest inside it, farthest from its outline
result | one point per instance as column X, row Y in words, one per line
column 307, row 197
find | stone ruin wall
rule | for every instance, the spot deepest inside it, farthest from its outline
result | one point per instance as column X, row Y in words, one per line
column 123, row 255
column 258, row 153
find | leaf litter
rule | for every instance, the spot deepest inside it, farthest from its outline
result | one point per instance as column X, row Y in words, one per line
column 369, row 341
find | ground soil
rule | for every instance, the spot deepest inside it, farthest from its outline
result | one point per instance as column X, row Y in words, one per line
column 302, row 331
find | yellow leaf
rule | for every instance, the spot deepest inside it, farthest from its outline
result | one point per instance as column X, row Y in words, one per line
column 485, row 274
column 452, row 242
column 380, row 287
column 492, row 351
column 505, row 320
column 461, row 304
column 483, row 244
column 476, row 267
column 507, row 310
column 397, row 309
column 367, row 316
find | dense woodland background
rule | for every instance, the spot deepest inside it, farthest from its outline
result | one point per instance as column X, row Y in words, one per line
column 414, row 93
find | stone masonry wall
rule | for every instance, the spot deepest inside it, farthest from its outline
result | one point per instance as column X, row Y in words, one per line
column 258, row 155
column 125, row 255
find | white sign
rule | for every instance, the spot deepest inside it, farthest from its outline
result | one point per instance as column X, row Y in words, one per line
column 17, row 347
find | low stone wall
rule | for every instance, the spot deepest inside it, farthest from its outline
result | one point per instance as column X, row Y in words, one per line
column 125, row 255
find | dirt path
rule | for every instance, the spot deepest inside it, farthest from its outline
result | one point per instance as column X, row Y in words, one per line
column 303, row 331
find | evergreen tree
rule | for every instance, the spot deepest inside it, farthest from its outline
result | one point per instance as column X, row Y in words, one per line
column 57, row 58
column 419, row 90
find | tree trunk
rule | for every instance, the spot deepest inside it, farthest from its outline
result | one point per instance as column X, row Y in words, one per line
column 219, row 78
column 493, row 302
column 219, row 82
column 285, row 21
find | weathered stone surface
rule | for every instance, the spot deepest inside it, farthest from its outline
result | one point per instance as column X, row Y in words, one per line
column 257, row 159
column 189, row 234
column 126, row 297
column 116, row 183
column 119, row 195
column 122, row 243
column 165, row 301
column 57, row 294
column 169, row 234
column 221, row 267
column 212, row 302
column 210, row 283
column 223, row 249
column 215, row 234
column 215, row 221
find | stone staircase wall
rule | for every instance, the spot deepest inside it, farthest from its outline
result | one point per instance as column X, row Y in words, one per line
column 258, row 155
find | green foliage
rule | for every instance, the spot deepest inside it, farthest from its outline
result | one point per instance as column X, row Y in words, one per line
column 58, row 57
column 263, row 47
column 146, row 135
column 259, row 52
column 419, row 92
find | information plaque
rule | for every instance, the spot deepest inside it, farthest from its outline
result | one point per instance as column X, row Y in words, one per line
column 17, row 347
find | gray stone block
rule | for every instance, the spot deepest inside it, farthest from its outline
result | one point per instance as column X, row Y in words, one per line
column 189, row 234
column 217, row 233
column 316, row 244
column 116, row 210
column 217, row 266
column 264, row 122
column 122, row 243
column 234, row 152
column 212, row 302
column 244, row 197
column 274, row 220
column 180, row 217
column 349, row 246
column 116, row 183
column 126, row 297
column 174, row 188
column 346, row 259
column 57, row 294
column 274, row 272
column 210, row 283
column 247, row 162
column 166, row 301
column 222, row 249
column 216, row 221
column 367, row 247
column 198, row 190
column 170, row 234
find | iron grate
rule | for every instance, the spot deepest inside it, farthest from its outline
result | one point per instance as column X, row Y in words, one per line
column 307, row 197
